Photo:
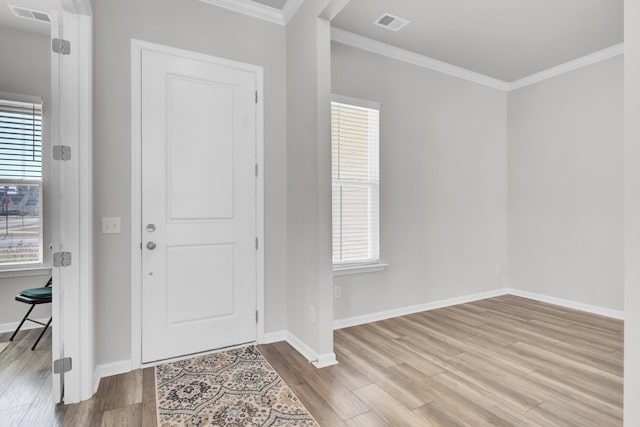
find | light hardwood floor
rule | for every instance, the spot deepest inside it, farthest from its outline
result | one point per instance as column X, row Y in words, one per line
column 25, row 381
column 501, row 361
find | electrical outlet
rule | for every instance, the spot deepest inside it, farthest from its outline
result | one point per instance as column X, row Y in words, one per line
column 110, row 225
column 312, row 314
column 337, row 291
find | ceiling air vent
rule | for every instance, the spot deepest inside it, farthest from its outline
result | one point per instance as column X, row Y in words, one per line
column 34, row 15
column 391, row 22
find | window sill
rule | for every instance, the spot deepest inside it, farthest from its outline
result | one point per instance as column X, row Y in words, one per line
column 359, row 269
column 39, row 270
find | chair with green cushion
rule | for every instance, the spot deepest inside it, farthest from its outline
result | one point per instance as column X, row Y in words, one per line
column 35, row 297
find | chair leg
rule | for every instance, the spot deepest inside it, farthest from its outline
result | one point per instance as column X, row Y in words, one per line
column 22, row 323
column 42, row 334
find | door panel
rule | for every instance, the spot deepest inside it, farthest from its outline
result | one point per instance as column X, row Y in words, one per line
column 200, row 108
column 188, row 274
column 199, row 192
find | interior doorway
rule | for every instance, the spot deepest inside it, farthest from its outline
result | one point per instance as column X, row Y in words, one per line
column 63, row 89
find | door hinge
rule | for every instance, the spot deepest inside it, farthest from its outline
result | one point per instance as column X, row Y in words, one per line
column 256, row 316
column 256, row 97
column 256, row 170
column 62, row 365
column 62, row 259
column 61, row 46
column 61, row 152
column 256, row 243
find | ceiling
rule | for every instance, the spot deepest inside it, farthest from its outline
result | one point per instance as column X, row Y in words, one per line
column 8, row 19
column 503, row 39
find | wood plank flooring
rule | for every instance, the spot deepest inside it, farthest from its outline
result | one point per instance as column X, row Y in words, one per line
column 25, row 381
column 504, row 361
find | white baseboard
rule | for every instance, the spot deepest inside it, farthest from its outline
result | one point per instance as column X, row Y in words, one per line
column 607, row 312
column 318, row 360
column 110, row 369
column 324, row 360
column 403, row 311
column 11, row 326
column 301, row 347
column 328, row 359
column 276, row 336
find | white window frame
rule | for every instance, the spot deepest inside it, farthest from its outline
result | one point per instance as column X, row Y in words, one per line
column 374, row 264
column 28, row 268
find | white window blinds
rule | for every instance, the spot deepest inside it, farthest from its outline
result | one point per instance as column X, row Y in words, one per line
column 355, row 179
column 20, row 141
column 20, row 183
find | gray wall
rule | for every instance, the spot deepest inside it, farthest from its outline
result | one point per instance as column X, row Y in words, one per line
column 632, row 213
column 443, row 188
column 209, row 30
column 566, row 186
column 26, row 70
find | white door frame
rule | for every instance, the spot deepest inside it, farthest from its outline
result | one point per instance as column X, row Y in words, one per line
column 71, row 125
column 137, row 47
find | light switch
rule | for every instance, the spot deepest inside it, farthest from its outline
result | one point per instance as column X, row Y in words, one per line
column 110, row 225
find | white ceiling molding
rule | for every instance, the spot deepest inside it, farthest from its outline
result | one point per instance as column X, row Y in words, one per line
column 374, row 46
column 260, row 11
column 338, row 35
column 251, row 8
column 331, row 9
column 592, row 58
column 289, row 9
column 81, row 7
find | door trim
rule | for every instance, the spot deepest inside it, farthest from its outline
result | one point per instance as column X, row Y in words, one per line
column 72, row 87
column 137, row 47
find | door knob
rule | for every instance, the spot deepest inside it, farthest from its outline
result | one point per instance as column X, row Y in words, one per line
column 151, row 245
column 151, row 228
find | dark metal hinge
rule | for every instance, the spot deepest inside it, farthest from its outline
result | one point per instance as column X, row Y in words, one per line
column 62, row 259
column 61, row 152
column 62, row 365
column 61, row 46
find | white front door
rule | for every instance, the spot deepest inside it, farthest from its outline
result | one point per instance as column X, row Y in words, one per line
column 198, row 206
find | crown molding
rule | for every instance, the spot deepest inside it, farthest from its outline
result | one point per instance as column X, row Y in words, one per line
column 584, row 61
column 282, row 17
column 355, row 40
column 81, row 7
column 248, row 7
column 289, row 9
column 260, row 11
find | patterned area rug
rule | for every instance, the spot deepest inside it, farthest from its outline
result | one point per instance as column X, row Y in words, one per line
column 231, row 388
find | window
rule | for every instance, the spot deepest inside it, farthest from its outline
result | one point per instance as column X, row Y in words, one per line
column 20, row 183
column 355, row 182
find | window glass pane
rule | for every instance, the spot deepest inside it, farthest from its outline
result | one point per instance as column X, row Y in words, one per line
column 20, row 228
